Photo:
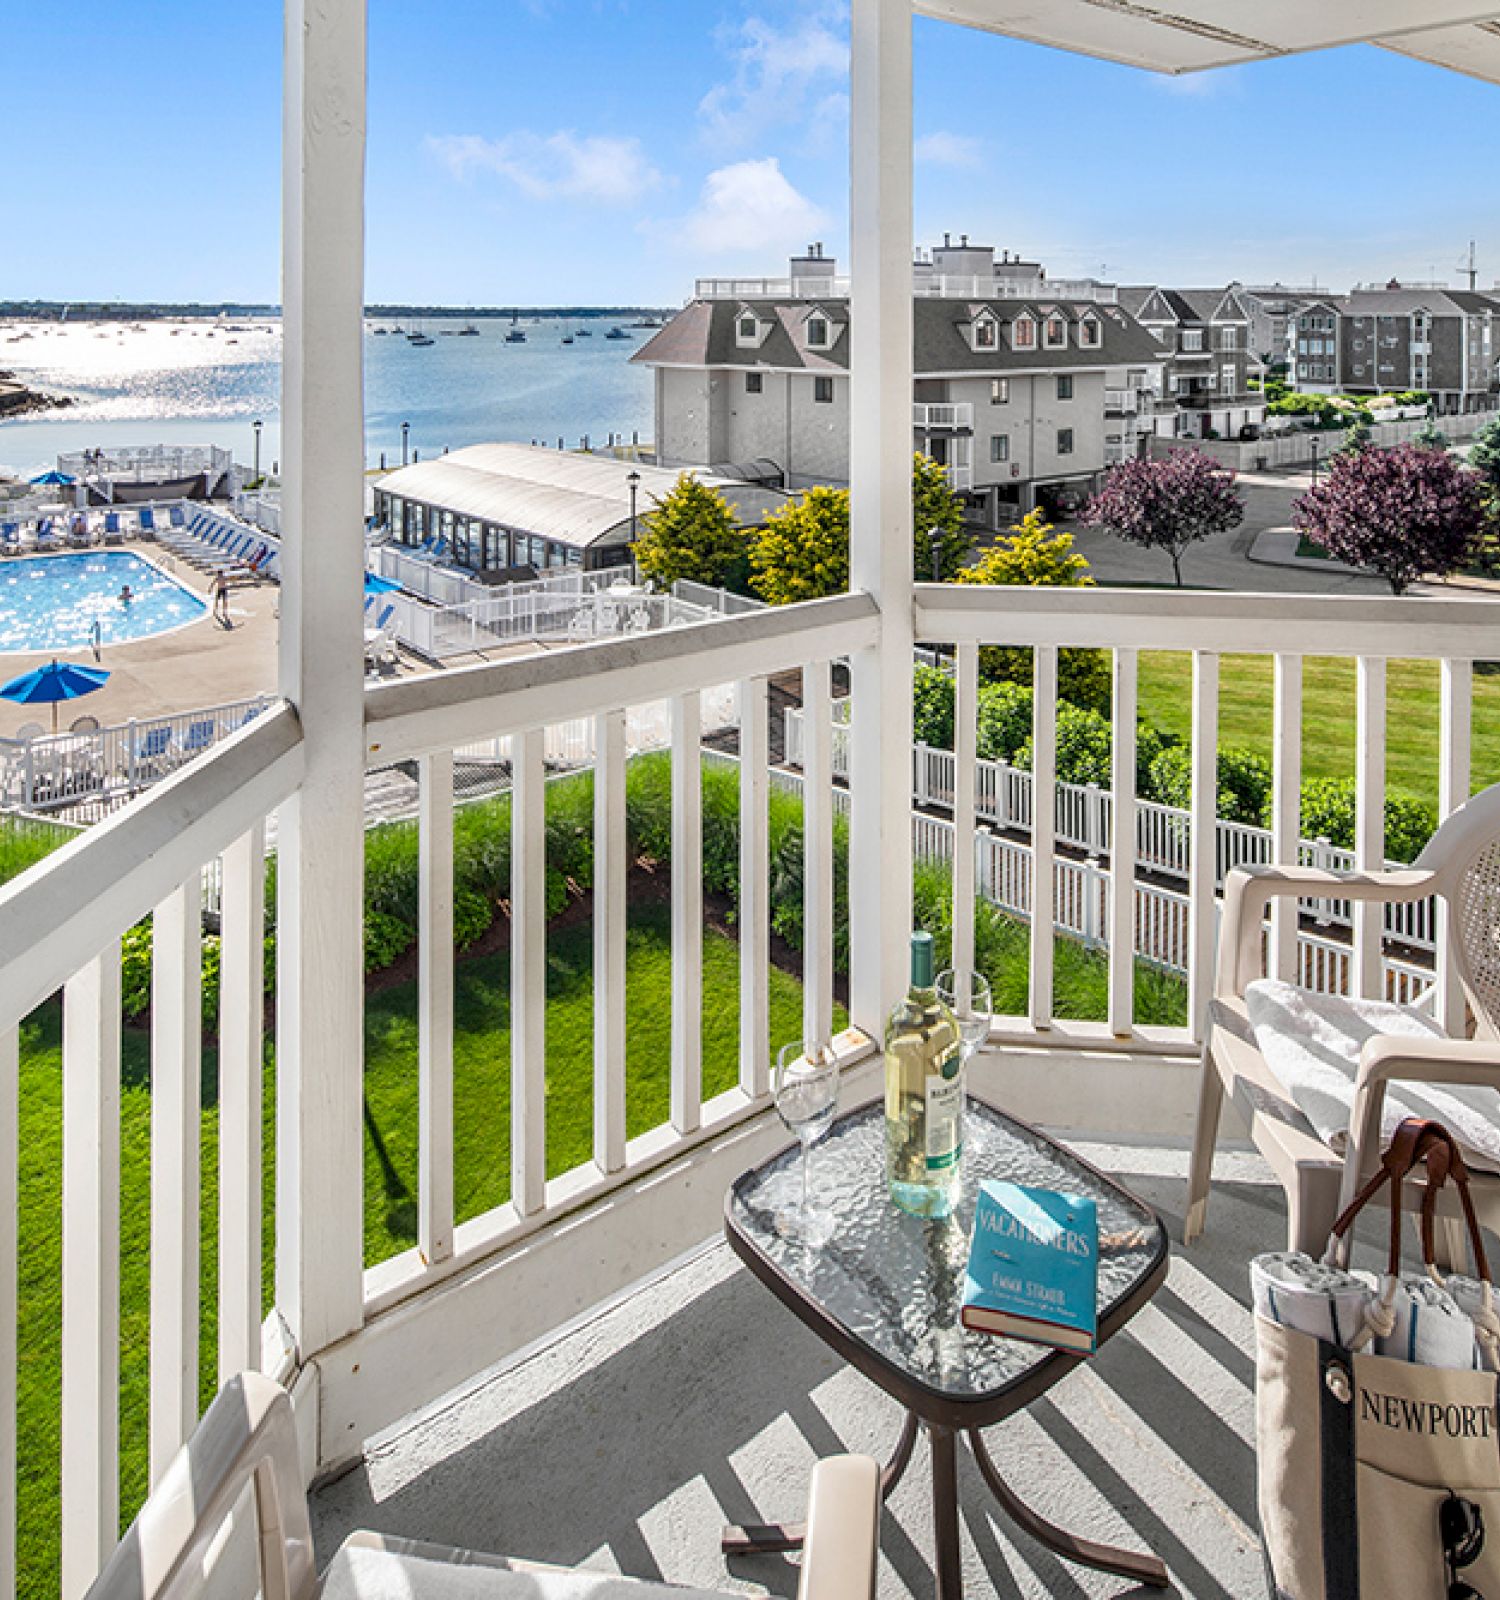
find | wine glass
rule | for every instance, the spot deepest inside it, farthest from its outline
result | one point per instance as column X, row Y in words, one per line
column 805, row 1088
column 967, row 995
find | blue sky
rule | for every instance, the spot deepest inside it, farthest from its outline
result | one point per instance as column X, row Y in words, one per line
column 558, row 151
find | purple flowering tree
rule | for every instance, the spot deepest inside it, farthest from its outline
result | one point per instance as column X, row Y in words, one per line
column 1167, row 504
column 1404, row 513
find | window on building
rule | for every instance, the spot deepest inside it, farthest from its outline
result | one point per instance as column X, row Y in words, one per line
column 1065, row 441
column 1056, row 333
column 1023, row 333
column 984, row 334
column 999, row 391
column 1090, row 333
column 1065, row 386
column 1192, row 338
column 749, row 330
column 817, row 333
column 999, row 447
column 823, row 391
column 755, row 382
column 1227, row 384
column 1229, row 338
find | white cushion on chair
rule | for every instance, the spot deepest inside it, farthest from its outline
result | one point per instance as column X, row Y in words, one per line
column 369, row 1566
column 1312, row 1043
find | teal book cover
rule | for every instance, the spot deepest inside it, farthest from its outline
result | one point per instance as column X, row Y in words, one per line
column 1034, row 1266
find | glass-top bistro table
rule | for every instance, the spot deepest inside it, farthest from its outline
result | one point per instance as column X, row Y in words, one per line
column 885, row 1294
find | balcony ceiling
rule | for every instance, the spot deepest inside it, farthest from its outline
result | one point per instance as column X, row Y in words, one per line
column 1191, row 35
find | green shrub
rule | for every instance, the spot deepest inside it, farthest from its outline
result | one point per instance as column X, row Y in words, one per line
column 1004, row 720
column 472, row 917
column 932, row 708
column 135, row 974
column 1329, row 812
column 1244, row 783
column 387, row 939
column 1083, row 747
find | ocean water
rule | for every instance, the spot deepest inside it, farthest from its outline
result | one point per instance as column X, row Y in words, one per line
column 207, row 383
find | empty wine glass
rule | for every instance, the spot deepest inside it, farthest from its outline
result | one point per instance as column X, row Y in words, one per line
column 805, row 1088
column 967, row 995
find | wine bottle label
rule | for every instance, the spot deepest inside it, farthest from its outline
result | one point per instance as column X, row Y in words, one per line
column 944, row 1121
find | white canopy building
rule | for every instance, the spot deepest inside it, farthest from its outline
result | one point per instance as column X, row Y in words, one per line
column 499, row 507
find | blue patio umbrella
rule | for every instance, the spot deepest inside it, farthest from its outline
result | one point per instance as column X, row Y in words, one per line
column 54, row 480
column 57, row 681
column 378, row 585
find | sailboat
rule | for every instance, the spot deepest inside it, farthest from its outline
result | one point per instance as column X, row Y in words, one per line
column 515, row 336
column 418, row 336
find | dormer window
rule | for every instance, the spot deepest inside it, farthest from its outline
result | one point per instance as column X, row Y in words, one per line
column 1023, row 332
column 1090, row 333
column 747, row 331
column 985, row 331
column 819, row 334
column 1055, row 334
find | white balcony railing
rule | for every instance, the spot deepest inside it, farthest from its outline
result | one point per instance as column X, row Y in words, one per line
column 936, row 286
column 464, row 1294
column 1129, row 401
column 943, row 417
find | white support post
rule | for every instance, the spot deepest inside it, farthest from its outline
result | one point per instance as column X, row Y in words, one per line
column 1286, row 809
column 880, row 557
column 242, row 986
column 10, row 1243
column 1454, row 777
column 320, row 939
column 611, row 886
column 687, row 911
column 176, row 1182
column 817, row 851
column 90, row 1507
column 1369, row 823
column 528, row 973
column 435, row 1007
column 965, row 761
column 1122, row 849
column 1043, row 829
column 755, row 890
column 1203, row 905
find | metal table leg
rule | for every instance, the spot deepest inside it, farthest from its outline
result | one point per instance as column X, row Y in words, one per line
column 778, row 1538
column 944, row 1443
column 1145, row 1569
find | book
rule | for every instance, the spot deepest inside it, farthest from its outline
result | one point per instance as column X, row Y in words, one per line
column 1033, row 1269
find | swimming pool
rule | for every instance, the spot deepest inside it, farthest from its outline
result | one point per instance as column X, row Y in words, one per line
column 52, row 602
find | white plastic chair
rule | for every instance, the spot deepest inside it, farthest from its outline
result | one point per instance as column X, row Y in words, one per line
column 1461, row 867
column 247, row 1440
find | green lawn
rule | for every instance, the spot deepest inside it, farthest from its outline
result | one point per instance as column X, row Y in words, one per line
column 1245, row 708
column 481, row 1158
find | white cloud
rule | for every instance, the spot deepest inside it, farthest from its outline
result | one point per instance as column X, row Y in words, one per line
column 949, row 150
column 750, row 207
column 781, row 75
column 564, row 165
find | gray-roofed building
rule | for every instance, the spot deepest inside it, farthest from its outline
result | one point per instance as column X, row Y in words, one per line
column 519, row 509
column 1023, row 386
column 1205, row 337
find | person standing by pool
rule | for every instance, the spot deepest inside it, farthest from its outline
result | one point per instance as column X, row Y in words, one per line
column 219, row 589
column 96, row 638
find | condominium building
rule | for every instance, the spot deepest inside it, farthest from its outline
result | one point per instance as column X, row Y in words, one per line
column 1205, row 337
column 1443, row 341
column 1026, row 387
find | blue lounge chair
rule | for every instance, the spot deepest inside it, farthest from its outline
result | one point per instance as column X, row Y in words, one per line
column 151, row 750
column 46, row 534
column 199, row 737
column 112, row 528
column 148, row 520
column 177, row 516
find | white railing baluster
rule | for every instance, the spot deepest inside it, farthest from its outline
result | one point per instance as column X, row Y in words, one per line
column 965, row 758
column 687, row 911
column 176, row 1116
column 10, row 1244
column 435, row 1007
column 1122, row 848
column 1369, row 821
column 817, row 857
column 90, row 1488
column 528, row 974
column 611, row 886
column 241, row 1107
column 1043, row 828
column 754, row 910
column 1454, row 776
column 1286, row 808
column 1202, row 906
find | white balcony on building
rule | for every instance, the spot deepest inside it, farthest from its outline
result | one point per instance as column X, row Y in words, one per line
column 575, row 1371
column 939, row 417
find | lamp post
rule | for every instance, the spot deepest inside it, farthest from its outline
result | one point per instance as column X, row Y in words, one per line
column 257, row 425
column 1315, row 463
column 935, row 542
column 634, row 480
column 405, row 438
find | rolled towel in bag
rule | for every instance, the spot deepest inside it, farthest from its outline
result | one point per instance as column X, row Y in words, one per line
column 1470, row 1297
column 1290, row 1288
column 1430, row 1329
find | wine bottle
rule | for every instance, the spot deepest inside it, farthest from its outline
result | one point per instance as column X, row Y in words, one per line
column 924, row 1095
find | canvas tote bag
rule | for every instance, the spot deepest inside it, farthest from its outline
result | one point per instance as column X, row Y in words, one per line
column 1357, row 1453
